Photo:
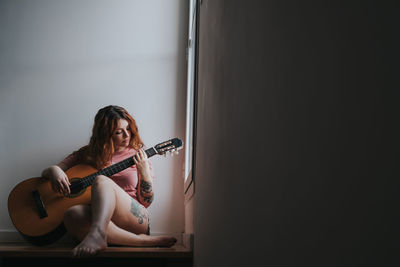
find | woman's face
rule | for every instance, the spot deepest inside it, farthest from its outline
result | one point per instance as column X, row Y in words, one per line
column 122, row 135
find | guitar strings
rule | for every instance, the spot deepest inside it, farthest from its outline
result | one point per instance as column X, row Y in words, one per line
column 87, row 181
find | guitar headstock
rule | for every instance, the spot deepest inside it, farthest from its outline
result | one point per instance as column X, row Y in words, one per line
column 171, row 146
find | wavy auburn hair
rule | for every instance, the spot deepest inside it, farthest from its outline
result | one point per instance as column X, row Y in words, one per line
column 101, row 146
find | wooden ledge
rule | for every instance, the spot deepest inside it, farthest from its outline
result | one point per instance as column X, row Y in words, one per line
column 21, row 250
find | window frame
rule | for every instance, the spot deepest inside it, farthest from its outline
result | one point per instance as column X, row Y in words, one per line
column 191, row 99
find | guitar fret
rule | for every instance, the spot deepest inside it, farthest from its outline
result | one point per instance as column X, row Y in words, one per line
column 122, row 165
column 113, row 169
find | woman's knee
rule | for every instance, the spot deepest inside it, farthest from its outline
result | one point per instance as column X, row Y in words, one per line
column 101, row 180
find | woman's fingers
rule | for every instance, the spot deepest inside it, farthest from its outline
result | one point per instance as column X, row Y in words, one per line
column 143, row 154
column 140, row 156
column 65, row 187
column 57, row 188
column 62, row 186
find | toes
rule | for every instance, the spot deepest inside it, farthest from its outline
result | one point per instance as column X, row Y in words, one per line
column 81, row 252
column 92, row 252
column 84, row 252
column 75, row 252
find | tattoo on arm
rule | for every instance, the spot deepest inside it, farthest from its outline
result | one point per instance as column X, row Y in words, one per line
column 145, row 187
column 146, row 191
column 148, row 199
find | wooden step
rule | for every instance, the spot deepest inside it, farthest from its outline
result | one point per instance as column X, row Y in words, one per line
column 22, row 250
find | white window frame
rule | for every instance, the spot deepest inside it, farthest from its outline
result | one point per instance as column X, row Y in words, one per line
column 190, row 97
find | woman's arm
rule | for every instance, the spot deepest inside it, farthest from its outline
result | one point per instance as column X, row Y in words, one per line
column 145, row 183
column 58, row 179
column 57, row 176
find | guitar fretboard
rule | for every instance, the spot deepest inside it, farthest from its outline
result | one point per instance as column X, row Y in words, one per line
column 115, row 168
column 120, row 166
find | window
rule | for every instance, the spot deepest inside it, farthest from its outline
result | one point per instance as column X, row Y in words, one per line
column 190, row 102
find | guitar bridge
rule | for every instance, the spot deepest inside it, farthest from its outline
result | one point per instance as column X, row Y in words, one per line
column 39, row 204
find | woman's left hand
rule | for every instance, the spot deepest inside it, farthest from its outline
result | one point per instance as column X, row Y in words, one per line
column 142, row 163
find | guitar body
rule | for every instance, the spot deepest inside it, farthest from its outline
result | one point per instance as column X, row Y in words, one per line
column 39, row 216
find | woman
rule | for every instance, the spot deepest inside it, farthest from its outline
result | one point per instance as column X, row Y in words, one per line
column 118, row 211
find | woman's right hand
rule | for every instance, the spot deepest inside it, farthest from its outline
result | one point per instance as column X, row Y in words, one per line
column 58, row 179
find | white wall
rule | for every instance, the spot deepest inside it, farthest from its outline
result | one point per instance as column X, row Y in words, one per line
column 60, row 61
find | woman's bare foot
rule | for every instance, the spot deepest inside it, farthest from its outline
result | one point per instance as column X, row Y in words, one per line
column 91, row 244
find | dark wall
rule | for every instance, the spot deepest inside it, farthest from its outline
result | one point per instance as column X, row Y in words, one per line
column 297, row 134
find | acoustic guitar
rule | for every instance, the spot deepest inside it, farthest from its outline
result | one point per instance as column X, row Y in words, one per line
column 37, row 211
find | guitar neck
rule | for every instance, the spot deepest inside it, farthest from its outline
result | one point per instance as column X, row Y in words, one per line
column 116, row 168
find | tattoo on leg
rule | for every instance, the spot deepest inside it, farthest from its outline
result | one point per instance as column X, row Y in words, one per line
column 137, row 211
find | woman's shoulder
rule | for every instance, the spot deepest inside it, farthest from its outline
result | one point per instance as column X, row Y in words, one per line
column 81, row 151
column 73, row 158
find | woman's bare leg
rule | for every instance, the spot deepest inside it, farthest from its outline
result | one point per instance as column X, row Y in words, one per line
column 77, row 220
column 103, row 206
column 119, row 236
column 128, row 214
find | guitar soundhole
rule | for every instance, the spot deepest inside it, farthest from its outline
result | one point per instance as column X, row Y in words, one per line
column 77, row 188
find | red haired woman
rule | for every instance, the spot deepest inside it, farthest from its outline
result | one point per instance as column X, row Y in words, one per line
column 118, row 211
